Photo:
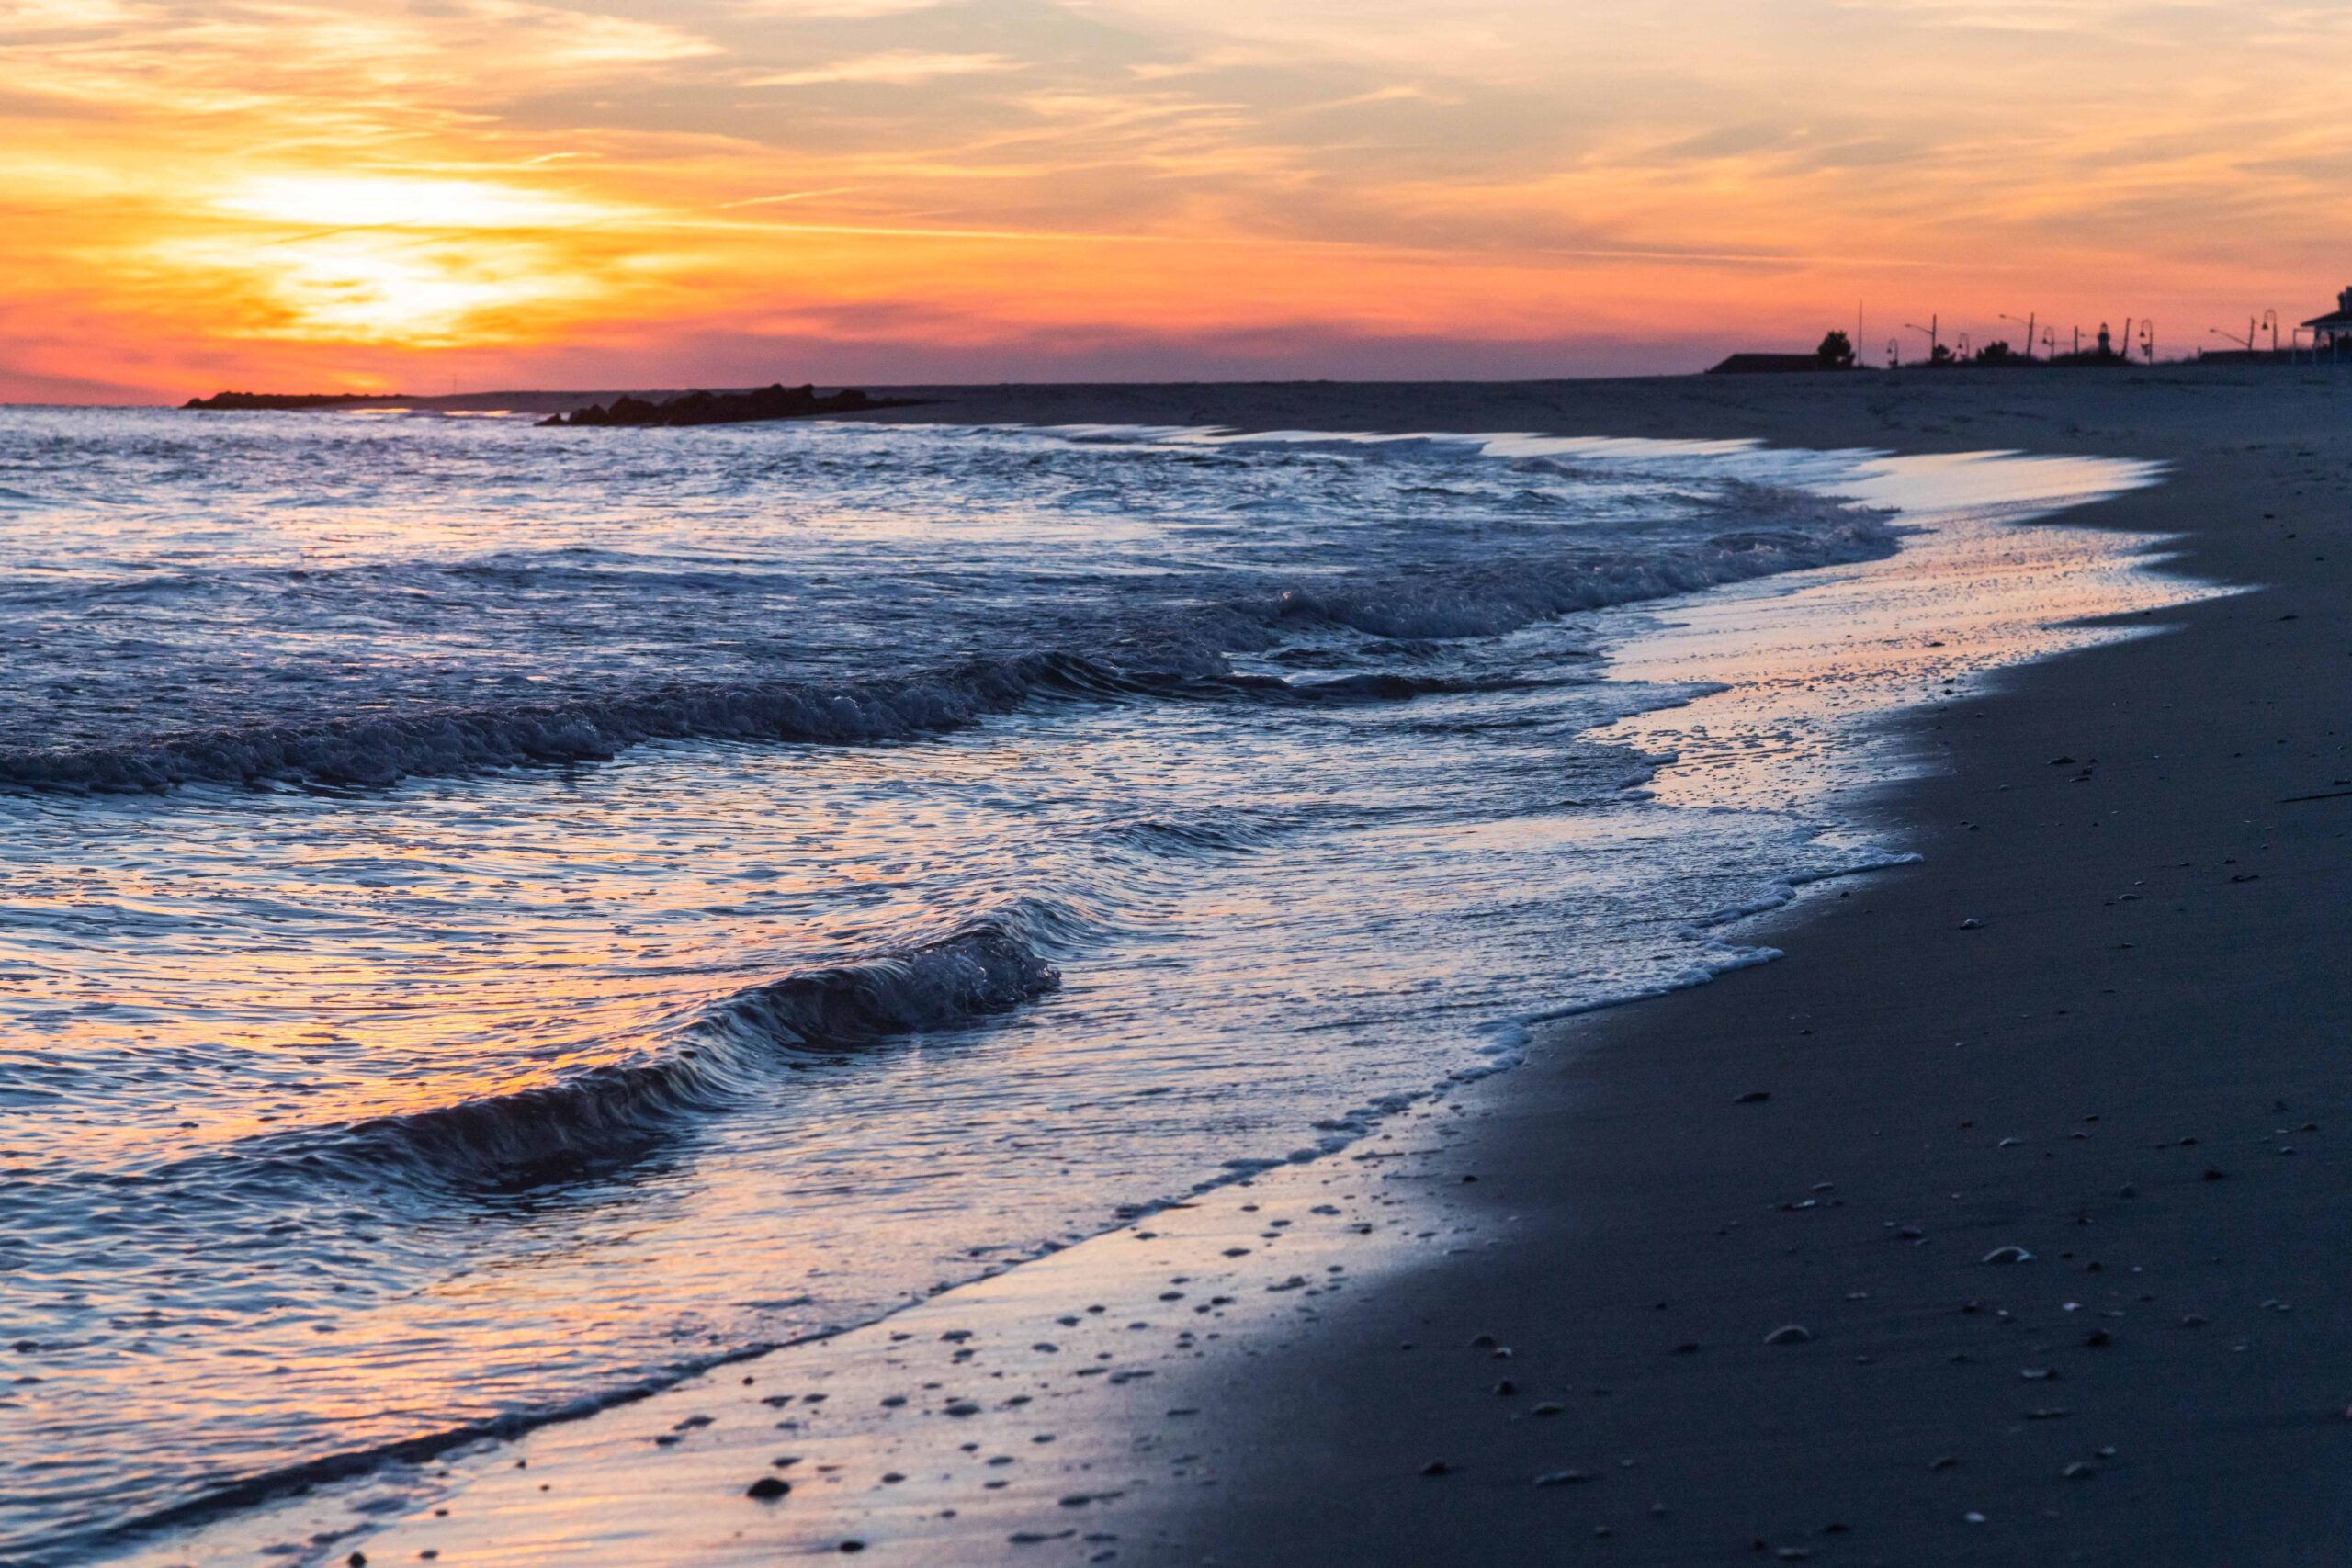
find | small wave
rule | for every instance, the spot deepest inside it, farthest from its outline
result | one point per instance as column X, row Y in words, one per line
column 376, row 752
column 1184, row 839
column 1491, row 601
column 607, row 1113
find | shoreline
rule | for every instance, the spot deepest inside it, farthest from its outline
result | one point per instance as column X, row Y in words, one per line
column 1283, row 1494
column 2105, row 980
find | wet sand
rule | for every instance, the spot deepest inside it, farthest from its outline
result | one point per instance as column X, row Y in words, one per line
column 2090, row 1026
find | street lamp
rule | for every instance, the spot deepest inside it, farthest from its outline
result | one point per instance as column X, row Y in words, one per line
column 2026, row 321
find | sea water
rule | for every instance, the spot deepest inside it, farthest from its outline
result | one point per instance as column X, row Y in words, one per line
column 494, row 920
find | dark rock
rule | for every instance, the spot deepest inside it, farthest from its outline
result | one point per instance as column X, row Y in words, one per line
column 250, row 401
column 768, row 1488
column 777, row 402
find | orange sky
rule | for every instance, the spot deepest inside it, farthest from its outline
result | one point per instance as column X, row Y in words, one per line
column 427, row 194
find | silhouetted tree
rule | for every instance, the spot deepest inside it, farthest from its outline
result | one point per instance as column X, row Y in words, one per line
column 1837, row 351
column 1997, row 352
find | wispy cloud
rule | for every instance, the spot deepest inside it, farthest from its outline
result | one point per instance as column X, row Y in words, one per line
column 896, row 68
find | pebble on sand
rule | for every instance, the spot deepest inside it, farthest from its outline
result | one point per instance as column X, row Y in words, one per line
column 767, row 1488
column 1789, row 1334
column 2007, row 1255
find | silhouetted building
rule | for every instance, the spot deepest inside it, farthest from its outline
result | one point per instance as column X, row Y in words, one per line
column 2332, row 332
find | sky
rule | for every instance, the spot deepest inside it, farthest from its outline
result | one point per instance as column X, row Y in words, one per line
column 434, row 194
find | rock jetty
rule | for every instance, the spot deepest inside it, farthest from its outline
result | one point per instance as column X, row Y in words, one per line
column 778, row 402
column 239, row 400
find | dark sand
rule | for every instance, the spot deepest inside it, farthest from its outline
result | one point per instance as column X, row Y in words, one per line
column 2125, row 1087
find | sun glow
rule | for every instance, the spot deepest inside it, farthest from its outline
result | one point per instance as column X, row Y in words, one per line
column 370, row 288
column 394, row 260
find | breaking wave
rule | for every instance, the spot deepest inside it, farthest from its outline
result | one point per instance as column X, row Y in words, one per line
column 611, row 1111
column 1184, row 656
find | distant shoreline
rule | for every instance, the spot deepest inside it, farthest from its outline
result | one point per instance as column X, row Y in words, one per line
column 1086, row 401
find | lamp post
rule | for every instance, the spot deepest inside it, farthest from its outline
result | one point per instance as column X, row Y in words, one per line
column 2027, row 321
column 1934, row 334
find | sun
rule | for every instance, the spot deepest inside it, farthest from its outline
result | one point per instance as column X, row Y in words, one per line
column 405, row 201
column 396, row 259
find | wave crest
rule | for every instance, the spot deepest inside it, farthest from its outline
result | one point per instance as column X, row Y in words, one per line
column 615, row 1110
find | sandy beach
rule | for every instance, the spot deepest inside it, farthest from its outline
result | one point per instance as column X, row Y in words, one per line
column 2099, row 1024
column 2002, row 1220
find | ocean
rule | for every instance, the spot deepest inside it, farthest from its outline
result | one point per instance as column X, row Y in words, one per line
column 495, row 919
